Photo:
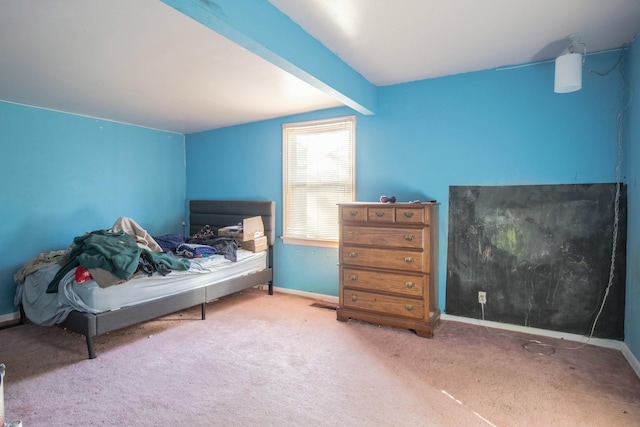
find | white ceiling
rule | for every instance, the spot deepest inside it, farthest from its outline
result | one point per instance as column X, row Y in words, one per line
column 391, row 42
column 143, row 62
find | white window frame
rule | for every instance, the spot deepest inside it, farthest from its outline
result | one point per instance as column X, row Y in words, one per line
column 324, row 228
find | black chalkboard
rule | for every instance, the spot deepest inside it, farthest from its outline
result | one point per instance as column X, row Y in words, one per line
column 542, row 253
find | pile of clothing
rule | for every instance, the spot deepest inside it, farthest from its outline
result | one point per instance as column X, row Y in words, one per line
column 113, row 256
column 202, row 244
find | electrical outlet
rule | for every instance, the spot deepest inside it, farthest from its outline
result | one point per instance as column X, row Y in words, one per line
column 482, row 297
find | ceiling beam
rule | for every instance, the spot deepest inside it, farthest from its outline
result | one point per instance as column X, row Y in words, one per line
column 261, row 28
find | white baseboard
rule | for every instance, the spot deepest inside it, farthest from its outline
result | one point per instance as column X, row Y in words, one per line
column 9, row 318
column 633, row 361
column 320, row 297
column 581, row 339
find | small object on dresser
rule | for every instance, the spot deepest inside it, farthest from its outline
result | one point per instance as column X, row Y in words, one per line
column 385, row 199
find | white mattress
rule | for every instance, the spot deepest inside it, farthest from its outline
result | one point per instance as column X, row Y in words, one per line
column 203, row 272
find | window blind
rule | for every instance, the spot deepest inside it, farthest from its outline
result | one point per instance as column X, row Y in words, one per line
column 319, row 173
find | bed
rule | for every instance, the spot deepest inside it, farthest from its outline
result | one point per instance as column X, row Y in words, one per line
column 92, row 310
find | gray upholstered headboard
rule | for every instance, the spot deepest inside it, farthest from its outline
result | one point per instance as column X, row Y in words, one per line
column 222, row 213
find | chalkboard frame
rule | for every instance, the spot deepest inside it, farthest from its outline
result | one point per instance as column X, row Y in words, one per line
column 542, row 253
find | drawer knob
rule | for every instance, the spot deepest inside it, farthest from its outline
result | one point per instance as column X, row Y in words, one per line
column 379, row 214
column 353, row 254
column 408, row 214
column 353, row 213
column 353, row 277
column 409, row 237
column 409, row 307
column 354, row 298
column 409, row 260
column 410, row 285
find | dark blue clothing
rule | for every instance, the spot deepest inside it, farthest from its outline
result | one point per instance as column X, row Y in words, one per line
column 169, row 242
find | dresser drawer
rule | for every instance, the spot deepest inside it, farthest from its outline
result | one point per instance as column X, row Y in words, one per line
column 405, row 284
column 387, row 304
column 353, row 213
column 395, row 259
column 381, row 215
column 391, row 237
column 409, row 215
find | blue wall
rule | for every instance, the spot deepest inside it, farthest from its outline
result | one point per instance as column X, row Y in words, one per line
column 63, row 175
column 632, row 154
column 484, row 128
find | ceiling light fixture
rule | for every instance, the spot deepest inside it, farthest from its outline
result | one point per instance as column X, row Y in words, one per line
column 568, row 77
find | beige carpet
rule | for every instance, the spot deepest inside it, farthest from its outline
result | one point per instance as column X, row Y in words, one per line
column 260, row 360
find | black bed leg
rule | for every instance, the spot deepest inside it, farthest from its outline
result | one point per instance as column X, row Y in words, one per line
column 92, row 351
column 23, row 316
column 204, row 311
column 270, row 283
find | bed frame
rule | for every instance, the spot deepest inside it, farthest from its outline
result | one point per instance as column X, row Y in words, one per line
column 215, row 213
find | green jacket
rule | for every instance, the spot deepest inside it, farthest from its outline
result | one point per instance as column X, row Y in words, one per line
column 117, row 253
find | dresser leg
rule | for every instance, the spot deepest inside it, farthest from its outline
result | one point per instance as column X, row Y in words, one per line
column 424, row 333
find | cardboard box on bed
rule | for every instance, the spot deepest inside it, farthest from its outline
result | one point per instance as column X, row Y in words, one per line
column 252, row 228
column 258, row 244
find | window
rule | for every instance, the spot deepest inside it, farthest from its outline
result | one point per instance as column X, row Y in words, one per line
column 318, row 173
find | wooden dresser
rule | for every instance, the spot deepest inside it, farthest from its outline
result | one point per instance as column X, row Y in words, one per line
column 389, row 264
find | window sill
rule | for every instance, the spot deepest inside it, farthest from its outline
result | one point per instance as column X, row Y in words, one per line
column 309, row 242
